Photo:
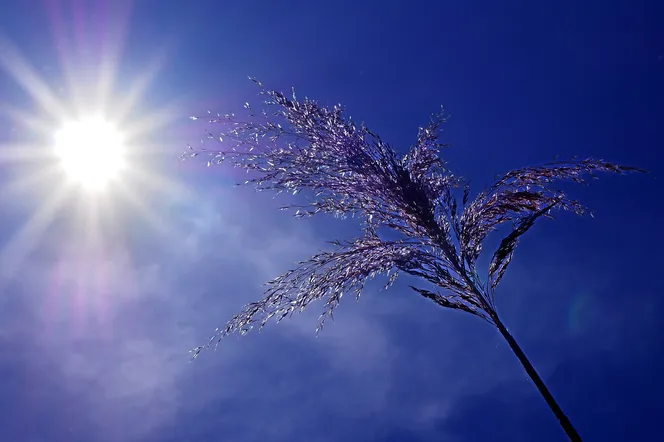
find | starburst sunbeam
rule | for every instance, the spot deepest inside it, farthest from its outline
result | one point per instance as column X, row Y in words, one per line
column 78, row 141
column 24, row 183
column 25, row 75
column 25, row 241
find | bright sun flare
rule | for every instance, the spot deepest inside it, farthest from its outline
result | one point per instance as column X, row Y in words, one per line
column 91, row 151
column 92, row 129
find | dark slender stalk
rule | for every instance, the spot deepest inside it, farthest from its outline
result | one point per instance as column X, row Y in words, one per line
column 548, row 397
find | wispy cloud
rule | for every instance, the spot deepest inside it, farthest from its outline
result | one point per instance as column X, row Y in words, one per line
column 117, row 329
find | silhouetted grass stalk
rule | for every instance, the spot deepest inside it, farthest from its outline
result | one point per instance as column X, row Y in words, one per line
column 293, row 145
column 539, row 383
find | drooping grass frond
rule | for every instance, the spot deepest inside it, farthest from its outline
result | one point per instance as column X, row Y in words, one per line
column 327, row 276
column 299, row 145
column 521, row 197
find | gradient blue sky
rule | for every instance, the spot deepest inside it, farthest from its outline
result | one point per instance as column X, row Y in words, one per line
column 101, row 298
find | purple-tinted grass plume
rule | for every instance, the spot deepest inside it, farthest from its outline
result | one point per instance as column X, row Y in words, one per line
column 436, row 231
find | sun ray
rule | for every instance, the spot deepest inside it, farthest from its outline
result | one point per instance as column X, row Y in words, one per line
column 23, row 153
column 149, row 124
column 68, row 28
column 140, row 85
column 28, row 79
column 158, row 182
column 151, row 182
column 23, row 242
column 63, row 49
column 26, row 120
column 28, row 181
column 141, row 206
column 111, row 51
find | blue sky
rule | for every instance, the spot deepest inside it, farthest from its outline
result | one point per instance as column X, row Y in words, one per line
column 96, row 328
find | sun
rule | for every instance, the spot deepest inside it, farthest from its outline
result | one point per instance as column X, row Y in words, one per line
column 82, row 153
column 91, row 151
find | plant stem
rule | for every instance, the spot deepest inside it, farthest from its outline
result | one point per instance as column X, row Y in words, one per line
column 548, row 397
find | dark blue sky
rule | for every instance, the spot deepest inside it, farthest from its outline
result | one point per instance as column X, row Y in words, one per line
column 95, row 332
